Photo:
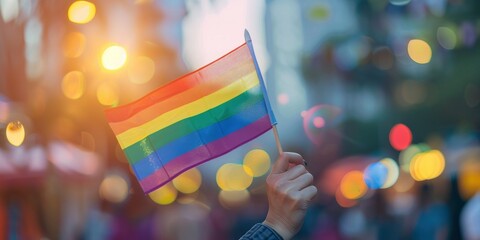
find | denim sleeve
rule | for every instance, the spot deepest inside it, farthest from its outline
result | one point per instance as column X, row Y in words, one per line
column 261, row 231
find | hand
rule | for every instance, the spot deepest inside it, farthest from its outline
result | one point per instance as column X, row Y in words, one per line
column 289, row 191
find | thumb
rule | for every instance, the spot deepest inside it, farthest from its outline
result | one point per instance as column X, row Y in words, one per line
column 283, row 161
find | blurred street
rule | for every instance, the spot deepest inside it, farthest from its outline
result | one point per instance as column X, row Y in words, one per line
column 381, row 97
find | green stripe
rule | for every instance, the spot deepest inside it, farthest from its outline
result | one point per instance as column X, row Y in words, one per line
column 146, row 146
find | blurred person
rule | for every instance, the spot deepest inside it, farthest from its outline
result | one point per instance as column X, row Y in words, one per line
column 469, row 188
column 19, row 214
column 470, row 218
column 289, row 192
column 433, row 216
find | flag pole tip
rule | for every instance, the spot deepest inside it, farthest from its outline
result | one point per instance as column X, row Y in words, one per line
column 247, row 35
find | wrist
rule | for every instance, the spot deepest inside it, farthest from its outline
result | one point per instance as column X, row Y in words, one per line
column 279, row 228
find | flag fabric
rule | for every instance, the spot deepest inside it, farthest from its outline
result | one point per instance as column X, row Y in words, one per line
column 193, row 119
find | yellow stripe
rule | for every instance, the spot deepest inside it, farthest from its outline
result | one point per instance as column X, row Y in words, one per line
column 133, row 135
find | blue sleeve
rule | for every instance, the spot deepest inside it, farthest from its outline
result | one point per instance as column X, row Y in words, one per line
column 261, row 231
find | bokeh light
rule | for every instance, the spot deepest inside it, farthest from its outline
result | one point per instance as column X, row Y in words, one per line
column 392, row 172
column 114, row 57
column 107, row 95
column 419, row 51
column 74, row 44
column 407, row 155
column 73, row 85
column 400, row 2
column 257, row 162
column 400, row 137
column 469, row 176
column 283, row 98
column 189, row 181
column 164, row 195
column 317, row 119
column 319, row 12
column 81, row 12
column 114, row 188
column 232, row 199
column 353, row 186
column 318, row 122
column 375, row 175
column 468, row 33
column 427, row 165
column 141, row 69
column 233, row 177
column 343, row 201
column 15, row 133
column 446, row 37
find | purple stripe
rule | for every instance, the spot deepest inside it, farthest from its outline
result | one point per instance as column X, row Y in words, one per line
column 155, row 180
column 205, row 153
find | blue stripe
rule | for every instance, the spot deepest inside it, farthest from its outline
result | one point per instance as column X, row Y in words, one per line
column 170, row 151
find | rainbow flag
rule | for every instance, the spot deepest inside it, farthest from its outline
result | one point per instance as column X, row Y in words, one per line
column 193, row 119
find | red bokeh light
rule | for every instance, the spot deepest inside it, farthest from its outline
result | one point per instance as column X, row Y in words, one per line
column 400, row 137
column 318, row 122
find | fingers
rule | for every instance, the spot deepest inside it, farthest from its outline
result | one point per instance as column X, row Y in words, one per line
column 281, row 165
column 309, row 192
column 303, row 181
column 295, row 172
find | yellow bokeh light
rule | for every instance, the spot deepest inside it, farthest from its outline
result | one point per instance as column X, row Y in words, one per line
column 232, row 177
column 81, row 12
column 164, row 195
column 343, row 201
column 427, row 165
column 141, row 69
column 189, row 181
column 408, row 154
column 74, row 44
column 419, row 51
column 392, row 172
column 469, row 178
column 73, row 85
column 106, row 95
column 114, row 188
column 257, row 162
column 438, row 160
column 353, row 186
column 15, row 133
column 114, row 57
column 229, row 199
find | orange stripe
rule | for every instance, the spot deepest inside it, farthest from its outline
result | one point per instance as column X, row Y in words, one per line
column 215, row 70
